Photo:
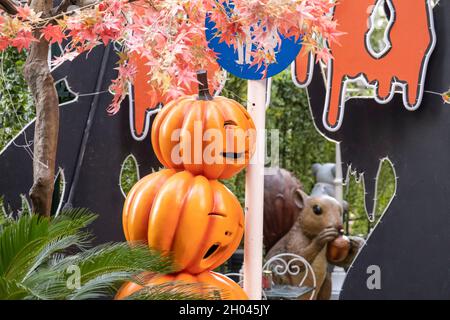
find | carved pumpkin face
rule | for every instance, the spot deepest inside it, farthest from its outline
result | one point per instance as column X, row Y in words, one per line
column 199, row 221
column 207, row 136
column 209, row 283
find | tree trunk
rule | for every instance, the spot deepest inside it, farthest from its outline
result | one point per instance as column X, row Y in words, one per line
column 41, row 83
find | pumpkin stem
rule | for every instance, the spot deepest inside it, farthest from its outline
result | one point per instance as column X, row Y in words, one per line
column 203, row 90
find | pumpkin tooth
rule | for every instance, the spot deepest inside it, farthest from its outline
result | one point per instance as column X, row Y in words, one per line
column 232, row 155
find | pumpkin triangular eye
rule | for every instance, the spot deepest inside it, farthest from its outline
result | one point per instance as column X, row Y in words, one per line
column 211, row 250
column 229, row 123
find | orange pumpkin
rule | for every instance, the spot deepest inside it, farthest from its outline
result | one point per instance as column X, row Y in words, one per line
column 225, row 288
column 199, row 221
column 214, row 137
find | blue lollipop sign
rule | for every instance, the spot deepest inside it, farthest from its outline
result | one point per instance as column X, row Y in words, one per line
column 237, row 60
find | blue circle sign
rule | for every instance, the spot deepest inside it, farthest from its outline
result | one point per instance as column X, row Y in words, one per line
column 237, row 61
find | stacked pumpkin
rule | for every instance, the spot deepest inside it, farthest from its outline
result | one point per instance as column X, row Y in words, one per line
column 183, row 210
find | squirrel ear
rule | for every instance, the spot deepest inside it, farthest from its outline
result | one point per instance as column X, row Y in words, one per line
column 279, row 196
column 315, row 168
column 300, row 198
column 279, row 202
column 345, row 206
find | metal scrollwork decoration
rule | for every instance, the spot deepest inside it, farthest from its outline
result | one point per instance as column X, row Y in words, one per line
column 291, row 264
column 285, row 264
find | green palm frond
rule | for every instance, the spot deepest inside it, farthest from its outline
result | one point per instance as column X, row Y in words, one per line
column 12, row 290
column 102, row 286
column 53, row 247
column 18, row 241
column 106, row 266
column 46, row 284
column 113, row 257
column 71, row 221
column 33, row 239
column 35, row 264
column 175, row 291
column 4, row 218
column 24, row 259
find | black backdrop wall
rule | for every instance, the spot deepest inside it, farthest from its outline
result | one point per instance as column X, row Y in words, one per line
column 411, row 243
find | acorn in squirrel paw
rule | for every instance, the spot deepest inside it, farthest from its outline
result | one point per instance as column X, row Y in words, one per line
column 338, row 249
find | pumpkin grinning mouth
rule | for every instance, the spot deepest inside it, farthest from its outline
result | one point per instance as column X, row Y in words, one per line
column 233, row 155
column 211, row 250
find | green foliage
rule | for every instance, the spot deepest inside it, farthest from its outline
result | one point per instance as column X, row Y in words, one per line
column 377, row 36
column 358, row 221
column 37, row 254
column 385, row 187
column 129, row 174
column 16, row 103
column 236, row 185
column 300, row 144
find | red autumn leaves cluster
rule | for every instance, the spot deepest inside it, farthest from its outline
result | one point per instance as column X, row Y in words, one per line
column 169, row 35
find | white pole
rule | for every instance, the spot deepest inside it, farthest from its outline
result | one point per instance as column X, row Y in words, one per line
column 338, row 180
column 254, row 193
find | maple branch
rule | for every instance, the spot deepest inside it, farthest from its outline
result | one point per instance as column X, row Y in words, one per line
column 60, row 10
column 9, row 6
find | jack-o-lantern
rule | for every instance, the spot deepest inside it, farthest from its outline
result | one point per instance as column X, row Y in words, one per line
column 210, row 284
column 198, row 221
column 210, row 136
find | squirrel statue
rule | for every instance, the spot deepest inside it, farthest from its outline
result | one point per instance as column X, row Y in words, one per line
column 317, row 222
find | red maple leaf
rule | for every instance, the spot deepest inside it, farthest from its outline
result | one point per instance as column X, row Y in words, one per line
column 53, row 33
column 23, row 12
column 4, row 43
column 23, row 40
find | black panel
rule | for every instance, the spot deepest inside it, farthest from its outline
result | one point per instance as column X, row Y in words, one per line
column 411, row 244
